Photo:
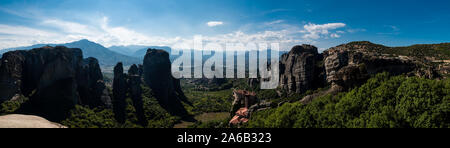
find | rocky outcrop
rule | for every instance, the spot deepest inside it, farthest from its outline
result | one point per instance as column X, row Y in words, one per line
column 140, row 69
column 11, row 71
column 351, row 64
column 54, row 78
column 298, row 72
column 120, row 88
column 26, row 121
column 158, row 76
column 127, row 86
column 135, row 91
column 263, row 105
column 93, row 90
column 347, row 66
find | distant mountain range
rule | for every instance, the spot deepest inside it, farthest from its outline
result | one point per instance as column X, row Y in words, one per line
column 105, row 56
column 137, row 50
column 108, row 57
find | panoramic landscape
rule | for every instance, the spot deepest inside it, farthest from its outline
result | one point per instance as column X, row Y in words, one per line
column 105, row 69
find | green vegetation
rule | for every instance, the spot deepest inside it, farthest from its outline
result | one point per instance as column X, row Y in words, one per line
column 157, row 117
column 383, row 102
column 12, row 106
column 439, row 51
column 223, row 123
column 214, row 100
column 207, row 102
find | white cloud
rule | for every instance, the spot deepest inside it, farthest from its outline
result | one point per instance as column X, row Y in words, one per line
column 356, row 30
column 214, row 23
column 13, row 36
column 335, row 35
column 70, row 27
column 315, row 31
column 274, row 22
column 102, row 32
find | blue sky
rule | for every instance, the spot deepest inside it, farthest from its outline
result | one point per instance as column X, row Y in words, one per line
column 323, row 23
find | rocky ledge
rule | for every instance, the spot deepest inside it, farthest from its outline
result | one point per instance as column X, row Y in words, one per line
column 26, row 121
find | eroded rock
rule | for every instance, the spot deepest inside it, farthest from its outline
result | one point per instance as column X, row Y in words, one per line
column 158, row 76
column 53, row 78
column 120, row 88
column 297, row 69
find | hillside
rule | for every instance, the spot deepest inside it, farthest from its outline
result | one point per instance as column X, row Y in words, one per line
column 138, row 51
column 438, row 51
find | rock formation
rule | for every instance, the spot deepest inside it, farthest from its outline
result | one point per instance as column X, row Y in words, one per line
column 140, row 69
column 134, row 83
column 158, row 76
column 26, row 121
column 120, row 88
column 93, row 90
column 350, row 65
column 298, row 72
column 54, row 78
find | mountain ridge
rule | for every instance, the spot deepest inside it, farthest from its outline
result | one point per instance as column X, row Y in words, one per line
column 105, row 56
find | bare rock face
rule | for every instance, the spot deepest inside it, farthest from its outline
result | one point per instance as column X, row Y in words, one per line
column 11, row 70
column 346, row 66
column 349, row 65
column 26, row 121
column 140, row 69
column 120, row 88
column 52, row 77
column 93, row 90
column 158, row 76
column 297, row 68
